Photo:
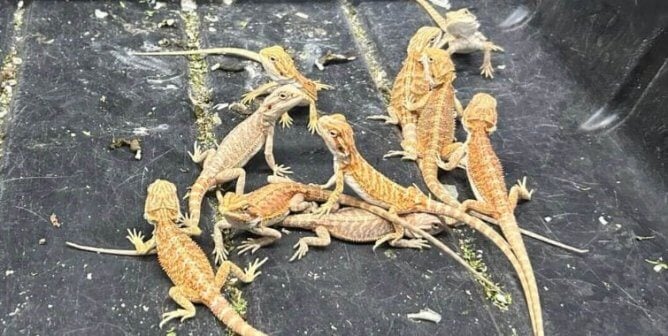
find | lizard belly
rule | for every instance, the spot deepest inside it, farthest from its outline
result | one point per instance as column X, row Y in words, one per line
column 359, row 190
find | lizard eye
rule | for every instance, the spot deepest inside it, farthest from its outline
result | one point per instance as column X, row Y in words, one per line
column 332, row 133
column 272, row 58
column 283, row 96
column 431, row 60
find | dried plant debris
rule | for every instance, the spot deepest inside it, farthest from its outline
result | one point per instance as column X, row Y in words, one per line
column 331, row 58
column 54, row 220
column 167, row 23
column 134, row 144
column 474, row 258
column 659, row 265
column 425, row 315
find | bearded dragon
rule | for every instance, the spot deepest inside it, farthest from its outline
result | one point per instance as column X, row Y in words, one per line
column 485, row 175
column 462, row 35
column 279, row 66
column 225, row 163
column 354, row 225
column 352, row 169
column 272, row 203
column 185, row 263
column 411, row 84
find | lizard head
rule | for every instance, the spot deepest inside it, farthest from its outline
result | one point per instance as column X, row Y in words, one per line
column 281, row 100
column 234, row 208
column 461, row 23
column 337, row 134
column 427, row 222
column 425, row 37
column 480, row 113
column 280, row 66
column 440, row 64
column 162, row 202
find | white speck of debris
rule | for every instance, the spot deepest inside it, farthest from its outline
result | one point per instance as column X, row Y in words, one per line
column 285, row 231
column 333, row 327
column 468, row 292
column 501, row 66
column 49, row 306
column 211, row 18
column 122, row 305
column 426, row 315
column 602, row 220
column 220, row 106
column 215, row 67
column 138, row 155
column 8, row 272
column 16, row 311
column 216, row 119
column 545, row 288
column 89, row 276
column 145, row 308
column 159, row 5
column 548, row 219
column 73, row 134
column 301, row 15
column 86, row 133
column 42, row 241
column 101, row 14
column 211, row 29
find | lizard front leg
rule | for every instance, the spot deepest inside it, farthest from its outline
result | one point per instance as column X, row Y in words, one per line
column 183, row 297
column 334, row 196
column 408, row 143
column 312, row 116
column 454, row 159
column 232, row 174
column 261, row 90
column 486, row 69
column 137, row 239
column 201, row 157
column 219, row 251
column 322, row 239
column 269, row 236
column 279, row 170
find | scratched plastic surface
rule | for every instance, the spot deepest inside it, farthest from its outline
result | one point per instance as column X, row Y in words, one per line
column 581, row 91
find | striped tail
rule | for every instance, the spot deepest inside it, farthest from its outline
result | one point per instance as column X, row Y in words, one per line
column 529, row 287
column 195, row 197
column 429, row 171
column 511, row 230
column 226, row 314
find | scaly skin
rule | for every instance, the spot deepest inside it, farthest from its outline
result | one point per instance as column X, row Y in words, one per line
column 485, row 175
column 352, row 169
column 273, row 202
column 279, row 66
column 354, row 225
column 436, row 125
column 226, row 163
column 411, row 84
column 462, row 35
column 185, row 263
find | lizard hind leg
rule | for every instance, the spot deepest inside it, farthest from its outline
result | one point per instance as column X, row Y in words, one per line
column 322, row 239
column 392, row 237
column 184, row 298
column 246, row 276
column 519, row 192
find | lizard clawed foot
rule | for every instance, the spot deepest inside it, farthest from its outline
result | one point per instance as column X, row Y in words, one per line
column 312, row 124
column 219, row 254
column 191, row 224
column 137, row 239
column 182, row 313
column 286, row 120
column 323, row 210
column 417, row 243
column 251, row 272
column 405, row 155
column 383, row 239
column 486, row 70
column 386, row 119
column 524, row 192
column 196, row 154
column 281, row 170
column 248, row 245
column 247, row 98
column 302, row 249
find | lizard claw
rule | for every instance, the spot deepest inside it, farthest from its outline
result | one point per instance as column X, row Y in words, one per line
column 195, row 155
column 382, row 240
column 137, row 239
column 182, row 313
column 487, row 71
column 248, row 245
column 302, row 249
column 417, row 243
column 220, row 255
column 312, row 124
column 524, row 192
column 323, row 210
column 384, row 118
column 247, row 98
column 405, row 155
column 281, row 170
column 251, row 272
column 286, row 120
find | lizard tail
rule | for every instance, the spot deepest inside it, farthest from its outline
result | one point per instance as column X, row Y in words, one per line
column 429, row 171
column 510, row 229
column 528, row 287
column 195, row 197
column 435, row 15
column 226, row 314
column 219, row 51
